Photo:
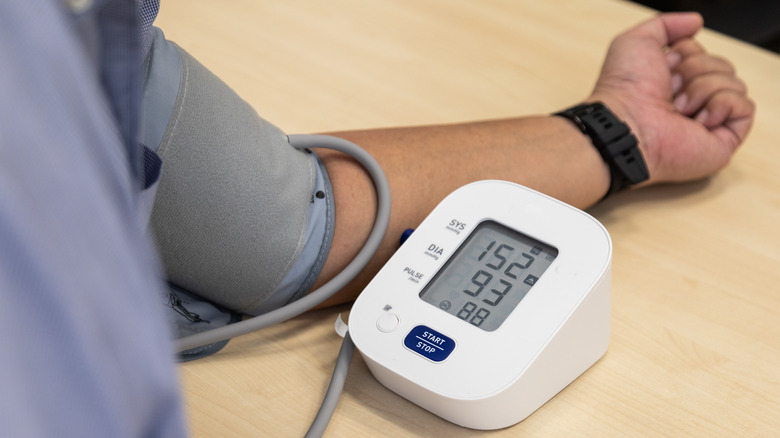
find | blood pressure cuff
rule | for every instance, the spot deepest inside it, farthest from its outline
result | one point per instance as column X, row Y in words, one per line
column 242, row 220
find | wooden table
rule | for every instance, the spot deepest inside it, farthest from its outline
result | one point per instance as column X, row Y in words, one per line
column 695, row 347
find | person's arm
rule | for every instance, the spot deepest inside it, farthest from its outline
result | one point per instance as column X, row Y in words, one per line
column 687, row 108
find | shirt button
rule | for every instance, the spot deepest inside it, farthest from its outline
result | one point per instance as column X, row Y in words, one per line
column 78, row 6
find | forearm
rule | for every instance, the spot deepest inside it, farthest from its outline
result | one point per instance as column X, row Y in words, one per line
column 687, row 109
column 424, row 164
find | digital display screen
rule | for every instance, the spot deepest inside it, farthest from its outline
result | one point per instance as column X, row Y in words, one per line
column 489, row 275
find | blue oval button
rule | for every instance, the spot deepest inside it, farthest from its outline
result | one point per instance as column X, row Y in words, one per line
column 429, row 343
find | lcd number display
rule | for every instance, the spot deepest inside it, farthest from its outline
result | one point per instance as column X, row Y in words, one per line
column 489, row 275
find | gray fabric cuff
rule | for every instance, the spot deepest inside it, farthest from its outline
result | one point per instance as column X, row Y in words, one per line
column 319, row 235
column 233, row 213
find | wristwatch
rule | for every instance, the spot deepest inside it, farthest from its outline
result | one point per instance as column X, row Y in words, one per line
column 614, row 141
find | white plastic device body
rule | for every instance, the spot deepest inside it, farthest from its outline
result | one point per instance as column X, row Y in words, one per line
column 489, row 379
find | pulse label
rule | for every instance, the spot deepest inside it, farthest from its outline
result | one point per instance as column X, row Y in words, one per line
column 414, row 276
column 429, row 343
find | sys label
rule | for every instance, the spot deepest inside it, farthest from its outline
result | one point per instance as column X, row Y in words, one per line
column 429, row 343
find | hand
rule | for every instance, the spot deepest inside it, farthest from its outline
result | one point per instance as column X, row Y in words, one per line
column 688, row 108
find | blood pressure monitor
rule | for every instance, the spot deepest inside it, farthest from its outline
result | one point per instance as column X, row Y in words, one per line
column 497, row 301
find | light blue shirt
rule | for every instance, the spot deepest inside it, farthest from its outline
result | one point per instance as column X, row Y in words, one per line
column 85, row 350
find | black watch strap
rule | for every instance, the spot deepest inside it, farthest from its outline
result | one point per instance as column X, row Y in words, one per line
column 614, row 141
